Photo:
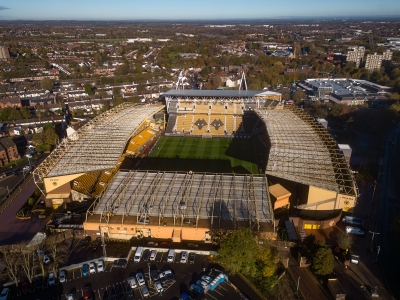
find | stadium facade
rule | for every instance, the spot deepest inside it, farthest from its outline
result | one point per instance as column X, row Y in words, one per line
column 300, row 166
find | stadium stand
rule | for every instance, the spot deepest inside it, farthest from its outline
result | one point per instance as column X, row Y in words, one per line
column 200, row 125
column 202, row 108
column 184, row 123
column 229, row 123
column 218, row 108
column 231, row 108
column 217, row 125
column 171, row 123
column 85, row 183
column 238, row 124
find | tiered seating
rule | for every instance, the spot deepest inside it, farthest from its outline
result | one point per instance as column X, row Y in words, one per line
column 83, row 184
column 238, row 124
column 139, row 140
column 200, row 124
column 217, row 124
column 231, row 108
column 218, row 109
column 230, row 123
column 201, row 108
column 184, row 122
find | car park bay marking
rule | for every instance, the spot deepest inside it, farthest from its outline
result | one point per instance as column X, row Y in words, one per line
column 208, row 294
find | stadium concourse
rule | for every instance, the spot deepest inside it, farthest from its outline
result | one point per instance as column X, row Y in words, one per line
column 224, row 160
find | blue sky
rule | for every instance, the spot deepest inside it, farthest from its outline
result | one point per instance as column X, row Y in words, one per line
column 191, row 10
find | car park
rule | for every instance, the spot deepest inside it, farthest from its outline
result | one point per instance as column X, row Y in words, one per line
column 153, row 255
column 158, row 287
column 154, row 275
column 132, row 282
column 122, row 262
column 146, row 255
column 166, row 275
column 4, row 294
column 145, row 291
column 140, row 279
column 62, row 276
column 95, row 245
column 52, row 279
column 184, row 257
column 130, row 295
column 85, row 269
column 70, row 297
column 92, row 268
column 100, row 265
column 38, row 282
column 192, row 257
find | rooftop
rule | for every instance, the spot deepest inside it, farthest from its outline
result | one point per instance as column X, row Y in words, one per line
column 98, row 144
column 220, row 93
column 303, row 151
column 151, row 197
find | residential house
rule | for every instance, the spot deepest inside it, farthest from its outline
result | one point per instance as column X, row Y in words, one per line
column 11, row 149
column 10, row 102
column 3, row 156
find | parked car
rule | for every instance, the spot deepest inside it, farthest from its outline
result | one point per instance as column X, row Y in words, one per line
column 85, row 269
column 4, row 294
column 122, row 262
column 95, row 245
column 28, row 155
column 158, row 287
column 26, row 168
column 145, row 291
column 92, row 268
column 152, row 244
column 184, row 257
column 192, row 257
column 62, row 276
column 3, row 176
column 70, row 297
column 207, row 279
column 196, row 289
column 202, row 283
column 24, row 287
column 87, row 293
column 46, row 259
column 154, row 275
column 100, row 265
column 140, row 279
column 166, row 275
column 192, row 245
column 132, row 282
column 354, row 230
column 153, row 255
column 52, row 279
column 146, row 255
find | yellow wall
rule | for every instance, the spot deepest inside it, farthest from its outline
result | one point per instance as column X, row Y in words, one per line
column 345, row 202
column 317, row 194
column 52, row 183
column 159, row 232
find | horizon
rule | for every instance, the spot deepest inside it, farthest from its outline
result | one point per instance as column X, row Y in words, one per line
column 157, row 10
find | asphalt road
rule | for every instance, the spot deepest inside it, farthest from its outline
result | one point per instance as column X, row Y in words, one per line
column 388, row 201
column 13, row 230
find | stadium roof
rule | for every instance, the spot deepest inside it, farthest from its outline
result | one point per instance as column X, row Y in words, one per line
column 98, row 144
column 151, row 197
column 220, row 93
column 303, row 151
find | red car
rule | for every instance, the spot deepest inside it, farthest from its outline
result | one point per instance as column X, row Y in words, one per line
column 25, row 287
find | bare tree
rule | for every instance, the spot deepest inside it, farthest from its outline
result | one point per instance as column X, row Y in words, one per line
column 58, row 250
column 11, row 259
column 27, row 259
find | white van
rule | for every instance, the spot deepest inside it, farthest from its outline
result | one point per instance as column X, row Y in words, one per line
column 354, row 230
column 171, row 256
column 353, row 221
column 138, row 254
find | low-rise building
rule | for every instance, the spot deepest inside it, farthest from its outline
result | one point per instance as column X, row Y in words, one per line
column 10, row 148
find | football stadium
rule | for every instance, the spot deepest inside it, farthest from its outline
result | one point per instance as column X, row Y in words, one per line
column 203, row 161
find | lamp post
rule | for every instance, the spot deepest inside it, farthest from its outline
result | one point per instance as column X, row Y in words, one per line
column 148, row 264
column 377, row 253
column 298, row 282
column 8, row 192
column 373, row 235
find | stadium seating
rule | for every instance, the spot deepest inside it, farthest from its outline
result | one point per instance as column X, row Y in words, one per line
column 184, row 122
column 200, row 124
column 231, row 108
column 238, row 124
column 201, row 108
column 230, row 123
column 218, row 108
column 217, row 125
column 83, row 184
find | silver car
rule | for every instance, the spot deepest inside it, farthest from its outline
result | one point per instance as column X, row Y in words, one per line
column 62, row 276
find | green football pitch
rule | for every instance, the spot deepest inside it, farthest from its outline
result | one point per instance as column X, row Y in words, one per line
column 216, row 155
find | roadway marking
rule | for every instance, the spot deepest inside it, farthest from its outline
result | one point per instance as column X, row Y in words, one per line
column 208, row 294
column 99, row 293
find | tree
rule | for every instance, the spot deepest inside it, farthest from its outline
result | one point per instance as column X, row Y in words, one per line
column 14, row 114
column 323, row 261
column 345, row 241
column 395, row 97
column 27, row 259
column 238, row 252
column 10, row 258
column 299, row 95
column 25, row 113
column 58, row 250
column 47, row 84
column 89, row 89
